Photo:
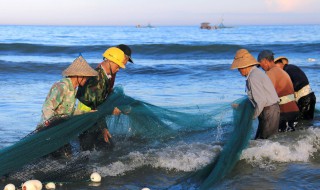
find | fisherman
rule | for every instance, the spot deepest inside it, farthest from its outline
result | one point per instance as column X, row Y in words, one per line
column 304, row 96
column 260, row 92
column 127, row 52
column 289, row 110
column 96, row 90
column 60, row 102
column 61, row 99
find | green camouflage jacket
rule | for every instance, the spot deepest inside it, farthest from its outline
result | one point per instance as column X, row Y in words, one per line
column 60, row 100
column 96, row 89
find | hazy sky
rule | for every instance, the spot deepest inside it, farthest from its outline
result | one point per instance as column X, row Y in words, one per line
column 158, row 12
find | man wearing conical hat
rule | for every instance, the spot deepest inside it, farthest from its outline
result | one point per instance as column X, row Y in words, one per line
column 260, row 92
column 95, row 92
column 304, row 96
column 289, row 110
column 61, row 99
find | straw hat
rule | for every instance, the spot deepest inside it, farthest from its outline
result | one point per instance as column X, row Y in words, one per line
column 243, row 59
column 283, row 59
column 79, row 67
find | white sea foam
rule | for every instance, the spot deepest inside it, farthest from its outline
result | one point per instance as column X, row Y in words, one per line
column 311, row 60
column 299, row 149
column 183, row 157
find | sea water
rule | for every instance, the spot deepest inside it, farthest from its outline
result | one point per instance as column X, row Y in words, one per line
column 182, row 68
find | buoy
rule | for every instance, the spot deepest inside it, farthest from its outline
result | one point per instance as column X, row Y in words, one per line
column 32, row 185
column 28, row 186
column 145, row 188
column 10, row 186
column 50, row 185
column 95, row 177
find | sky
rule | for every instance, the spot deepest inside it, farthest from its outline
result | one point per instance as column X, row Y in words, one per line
column 158, row 12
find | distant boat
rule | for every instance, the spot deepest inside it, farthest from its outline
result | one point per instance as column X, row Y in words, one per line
column 147, row 26
column 221, row 25
column 206, row 25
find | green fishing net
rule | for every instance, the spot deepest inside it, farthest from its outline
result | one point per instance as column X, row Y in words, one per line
column 140, row 119
column 230, row 154
column 28, row 158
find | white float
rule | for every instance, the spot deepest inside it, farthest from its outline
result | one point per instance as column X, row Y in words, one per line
column 10, row 186
column 32, row 185
column 95, row 177
column 50, row 185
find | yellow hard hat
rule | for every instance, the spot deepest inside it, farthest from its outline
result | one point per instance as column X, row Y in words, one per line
column 115, row 55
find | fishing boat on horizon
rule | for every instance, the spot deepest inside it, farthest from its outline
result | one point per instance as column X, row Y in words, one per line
column 146, row 26
column 206, row 25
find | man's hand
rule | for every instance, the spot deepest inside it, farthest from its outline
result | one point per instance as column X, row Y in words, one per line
column 235, row 106
column 116, row 111
column 106, row 135
column 46, row 123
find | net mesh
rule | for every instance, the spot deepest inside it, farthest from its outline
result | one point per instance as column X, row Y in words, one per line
column 28, row 158
column 220, row 167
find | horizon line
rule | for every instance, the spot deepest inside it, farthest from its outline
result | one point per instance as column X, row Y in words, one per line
column 161, row 25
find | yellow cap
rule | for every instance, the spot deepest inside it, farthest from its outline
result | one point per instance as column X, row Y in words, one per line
column 115, row 55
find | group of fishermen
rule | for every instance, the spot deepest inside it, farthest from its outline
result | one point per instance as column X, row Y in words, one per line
column 91, row 87
column 281, row 96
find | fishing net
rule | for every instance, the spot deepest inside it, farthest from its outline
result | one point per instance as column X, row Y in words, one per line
column 147, row 121
column 228, row 157
column 49, row 169
column 29, row 158
column 37, row 145
column 44, row 142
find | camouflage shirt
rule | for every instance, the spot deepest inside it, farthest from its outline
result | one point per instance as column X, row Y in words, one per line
column 60, row 100
column 96, row 89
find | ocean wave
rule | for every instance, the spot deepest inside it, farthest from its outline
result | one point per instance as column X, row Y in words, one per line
column 26, row 48
column 143, row 68
column 157, row 51
column 183, row 157
column 293, row 148
column 7, row 67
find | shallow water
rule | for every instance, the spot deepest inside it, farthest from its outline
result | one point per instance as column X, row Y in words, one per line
column 180, row 68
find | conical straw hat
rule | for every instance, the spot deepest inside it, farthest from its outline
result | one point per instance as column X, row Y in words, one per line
column 243, row 59
column 283, row 59
column 79, row 67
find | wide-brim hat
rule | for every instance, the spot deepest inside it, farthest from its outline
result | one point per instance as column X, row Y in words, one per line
column 243, row 59
column 79, row 67
column 283, row 59
column 126, row 50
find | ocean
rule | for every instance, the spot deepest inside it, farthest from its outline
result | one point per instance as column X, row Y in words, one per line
column 185, row 69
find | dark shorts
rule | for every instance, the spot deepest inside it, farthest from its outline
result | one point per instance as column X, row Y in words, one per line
column 306, row 106
column 268, row 122
column 288, row 121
